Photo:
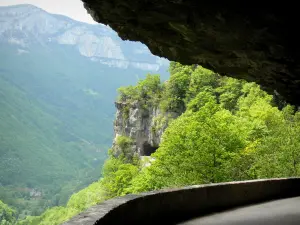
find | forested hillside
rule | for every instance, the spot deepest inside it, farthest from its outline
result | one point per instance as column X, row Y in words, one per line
column 56, row 124
column 230, row 130
column 58, row 81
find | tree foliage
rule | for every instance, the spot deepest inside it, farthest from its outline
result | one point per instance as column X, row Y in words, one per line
column 7, row 214
column 148, row 90
column 229, row 130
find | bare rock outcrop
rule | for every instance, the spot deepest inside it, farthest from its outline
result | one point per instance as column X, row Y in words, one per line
column 143, row 124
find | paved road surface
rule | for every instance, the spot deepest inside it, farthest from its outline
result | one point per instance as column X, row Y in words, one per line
column 279, row 212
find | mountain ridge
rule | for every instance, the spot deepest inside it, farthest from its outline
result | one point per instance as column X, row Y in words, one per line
column 26, row 25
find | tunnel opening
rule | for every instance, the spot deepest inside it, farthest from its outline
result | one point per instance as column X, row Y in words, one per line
column 147, row 149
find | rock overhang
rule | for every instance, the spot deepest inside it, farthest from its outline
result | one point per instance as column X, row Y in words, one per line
column 246, row 40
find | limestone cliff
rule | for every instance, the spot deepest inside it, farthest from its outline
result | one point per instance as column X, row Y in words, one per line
column 143, row 124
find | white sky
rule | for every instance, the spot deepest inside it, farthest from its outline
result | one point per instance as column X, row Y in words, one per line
column 70, row 8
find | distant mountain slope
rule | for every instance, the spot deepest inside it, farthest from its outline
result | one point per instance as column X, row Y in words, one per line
column 58, row 81
column 27, row 25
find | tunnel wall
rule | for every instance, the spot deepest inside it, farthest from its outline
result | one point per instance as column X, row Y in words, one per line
column 175, row 205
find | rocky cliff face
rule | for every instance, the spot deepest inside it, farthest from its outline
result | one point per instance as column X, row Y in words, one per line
column 144, row 125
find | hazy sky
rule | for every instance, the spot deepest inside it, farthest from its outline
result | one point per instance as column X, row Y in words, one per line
column 70, row 8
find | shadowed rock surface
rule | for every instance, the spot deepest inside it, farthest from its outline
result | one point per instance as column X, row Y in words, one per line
column 243, row 40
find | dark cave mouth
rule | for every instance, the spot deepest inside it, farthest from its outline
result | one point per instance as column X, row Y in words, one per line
column 147, row 149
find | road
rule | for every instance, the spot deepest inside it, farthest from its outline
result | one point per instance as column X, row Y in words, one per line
column 279, row 212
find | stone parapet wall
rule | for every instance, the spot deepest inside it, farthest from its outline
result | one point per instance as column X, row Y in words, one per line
column 175, row 205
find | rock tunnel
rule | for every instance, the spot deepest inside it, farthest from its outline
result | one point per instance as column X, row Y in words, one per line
column 245, row 40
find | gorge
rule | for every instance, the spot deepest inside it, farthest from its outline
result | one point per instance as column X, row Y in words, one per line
column 174, row 139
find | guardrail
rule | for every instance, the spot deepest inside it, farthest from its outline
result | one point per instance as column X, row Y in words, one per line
column 171, row 206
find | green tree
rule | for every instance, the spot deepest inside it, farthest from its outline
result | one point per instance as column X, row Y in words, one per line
column 278, row 154
column 176, row 90
column 229, row 91
column 7, row 214
column 196, row 148
column 206, row 95
column 201, row 79
column 117, row 175
column 147, row 90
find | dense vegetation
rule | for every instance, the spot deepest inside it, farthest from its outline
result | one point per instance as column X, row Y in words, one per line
column 229, row 130
column 56, row 124
column 7, row 214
